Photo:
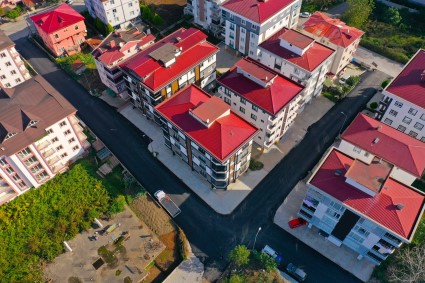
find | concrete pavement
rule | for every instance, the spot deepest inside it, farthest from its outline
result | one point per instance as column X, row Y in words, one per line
column 189, row 271
column 385, row 65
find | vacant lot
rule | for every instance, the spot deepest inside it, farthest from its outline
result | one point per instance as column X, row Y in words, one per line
column 169, row 10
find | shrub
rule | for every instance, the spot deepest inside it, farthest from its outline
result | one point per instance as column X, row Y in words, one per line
column 264, row 261
column 352, row 81
column 12, row 14
column 385, row 83
column 118, row 205
column 255, row 165
column 157, row 20
column 183, row 244
column 374, row 105
column 239, row 256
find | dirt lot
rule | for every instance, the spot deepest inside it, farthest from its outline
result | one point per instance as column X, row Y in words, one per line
column 169, row 10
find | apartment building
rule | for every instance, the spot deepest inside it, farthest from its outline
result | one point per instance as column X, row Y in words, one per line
column 360, row 194
column 247, row 23
column 159, row 71
column 61, row 29
column 114, row 50
column 12, row 68
column 207, row 14
column 119, row 13
column 207, row 135
column 39, row 136
column 298, row 57
column 263, row 97
column 403, row 106
column 335, row 34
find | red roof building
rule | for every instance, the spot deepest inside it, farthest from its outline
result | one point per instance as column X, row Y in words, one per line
column 336, row 34
column 181, row 58
column 260, row 94
column 205, row 133
column 62, row 29
column 360, row 194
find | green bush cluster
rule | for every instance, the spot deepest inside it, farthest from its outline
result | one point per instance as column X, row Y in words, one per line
column 34, row 226
column 150, row 16
column 14, row 13
column 255, row 165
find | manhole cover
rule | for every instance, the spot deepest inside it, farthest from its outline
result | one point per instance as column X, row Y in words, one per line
column 98, row 263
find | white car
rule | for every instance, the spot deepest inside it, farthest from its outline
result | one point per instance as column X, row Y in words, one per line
column 305, row 15
column 69, row 2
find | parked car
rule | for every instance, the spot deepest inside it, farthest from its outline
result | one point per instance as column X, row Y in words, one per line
column 296, row 272
column 272, row 253
column 297, row 222
column 344, row 79
column 305, row 15
column 69, row 2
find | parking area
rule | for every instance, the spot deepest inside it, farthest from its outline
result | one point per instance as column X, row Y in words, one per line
column 127, row 247
column 226, row 58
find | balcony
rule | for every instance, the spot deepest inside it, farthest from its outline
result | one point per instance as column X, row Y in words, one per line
column 78, row 128
column 81, row 136
column 74, row 120
column 7, row 195
column 58, row 168
column 219, row 176
column 218, row 168
column 270, row 127
column 273, row 119
column 86, row 144
column 43, row 145
column 53, row 160
column 48, row 153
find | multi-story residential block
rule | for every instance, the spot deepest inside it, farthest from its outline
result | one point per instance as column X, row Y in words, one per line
column 12, row 68
column 159, row 71
column 114, row 50
column 207, row 14
column 249, row 22
column 262, row 96
column 39, row 136
column 360, row 194
column 335, row 34
column 403, row 105
column 119, row 13
column 61, row 29
column 298, row 57
column 203, row 131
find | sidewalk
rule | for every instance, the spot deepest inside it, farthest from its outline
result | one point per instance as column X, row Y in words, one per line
column 224, row 202
column 189, row 271
column 385, row 65
column 342, row 256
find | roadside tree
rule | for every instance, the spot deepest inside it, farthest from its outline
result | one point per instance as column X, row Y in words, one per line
column 239, row 256
column 358, row 12
column 409, row 265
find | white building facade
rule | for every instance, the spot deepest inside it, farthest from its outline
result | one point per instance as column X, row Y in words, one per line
column 207, row 14
column 118, row 13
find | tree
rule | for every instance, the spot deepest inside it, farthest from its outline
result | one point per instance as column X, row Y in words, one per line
column 264, row 261
column 358, row 12
column 409, row 265
column 109, row 28
column 239, row 255
column 100, row 26
column 392, row 16
column 147, row 13
column 235, row 278
column 322, row 3
column 157, row 20
column 12, row 14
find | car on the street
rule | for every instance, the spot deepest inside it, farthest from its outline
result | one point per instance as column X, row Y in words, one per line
column 297, row 222
column 305, row 15
column 296, row 272
column 69, row 2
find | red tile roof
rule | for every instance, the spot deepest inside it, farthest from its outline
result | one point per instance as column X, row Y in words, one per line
column 222, row 138
column 211, row 110
column 194, row 50
column 255, row 10
column 382, row 207
column 381, row 140
column 57, row 19
column 408, row 84
column 271, row 98
column 310, row 60
column 296, row 38
column 335, row 30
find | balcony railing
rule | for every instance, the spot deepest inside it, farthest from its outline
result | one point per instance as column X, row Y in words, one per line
column 43, row 145
column 81, row 136
column 273, row 119
column 58, row 167
column 74, row 120
column 219, row 176
column 7, row 196
column 48, row 153
column 53, row 160
column 78, row 128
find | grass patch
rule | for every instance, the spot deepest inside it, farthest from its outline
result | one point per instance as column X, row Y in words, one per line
column 255, row 165
column 150, row 265
column 108, row 256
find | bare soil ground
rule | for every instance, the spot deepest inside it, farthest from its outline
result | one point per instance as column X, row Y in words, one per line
column 169, row 10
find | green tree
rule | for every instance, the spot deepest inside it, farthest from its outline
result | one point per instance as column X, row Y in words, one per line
column 235, row 278
column 239, row 255
column 358, row 12
column 109, row 28
column 147, row 13
column 392, row 16
column 264, row 261
column 12, row 14
column 322, row 3
column 157, row 20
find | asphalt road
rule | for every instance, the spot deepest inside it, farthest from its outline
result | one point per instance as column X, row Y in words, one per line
column 212, row 235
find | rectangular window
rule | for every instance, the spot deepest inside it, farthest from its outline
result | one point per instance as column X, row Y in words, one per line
column 76, row 27
column 56, row 35
column 10, row 170
column 64, row 155
column 393, row 113
column 55, row 139
column 16, row 177
column 63, row 123
column 242, row 109
column 388, row 121
column 71, row 140
column 8, row 64
column 67, row 132
column 253, row 117
column 254, row 107
column 401, row 128
column 423, row 139
column 357, row 150
column 49, row 131
column 18, row 80
column 232, row 17
column 75, row 148
column 3, row 162
column 2, row 77
column 398, row 104
column 243, row 101
column 412, row 111
column 407, row 120
column 413, row 134
column 423, row 117
column 227, row 100
column 254, row 27
column 13, row 72
column 419, row 126
column 3, row 55
column 243, row 22
column 59, row 148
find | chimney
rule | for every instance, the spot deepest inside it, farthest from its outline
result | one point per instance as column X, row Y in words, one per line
column 113, row 43
column 378, row 127
column 399, row 206
column 338, row 172
column 376, row 140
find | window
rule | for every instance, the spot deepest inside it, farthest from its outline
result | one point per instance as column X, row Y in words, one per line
column 398, row 104
column 227, row 100
column 413, row 134
column 42, row 175
column 130, row 4
column 423, row 117
column 407, row 120
column 2, row 77
column 3, row 55
column 243, row 101
column 361, row 231
column 22, row 185
column 63, row 123
column 232, row 26
column 3, row 162
column 67, row 132
column 8, row 64
column 55, row 139
column 393, row 113
column 357, row 150
column 9, row 135
column 56, row 35
column 75, row 148
column 401, row 128
column 13, row 72
column 7, row 85
column 49, row 131
column 30, row 161
column 36, row 169
column 254, row 27
column 64, row 155
column 59, row 148
column 254, row 107
column 76, row 27
column 10, row 170
column 253, row 117
column 18, row 80
column 419, row 126
column 242, row 109
column 388, row 121
column 412, row 111
column 232, row 17
column 114, row 10
column 16, row 177
column 243, row 22
column 71, row 140
column 423, row 139
column 24, row 153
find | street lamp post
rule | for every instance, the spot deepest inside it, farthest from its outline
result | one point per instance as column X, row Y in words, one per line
column 255, row 239
column 343, row 123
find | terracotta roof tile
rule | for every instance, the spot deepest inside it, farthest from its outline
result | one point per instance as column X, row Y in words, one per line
column 59, row 18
